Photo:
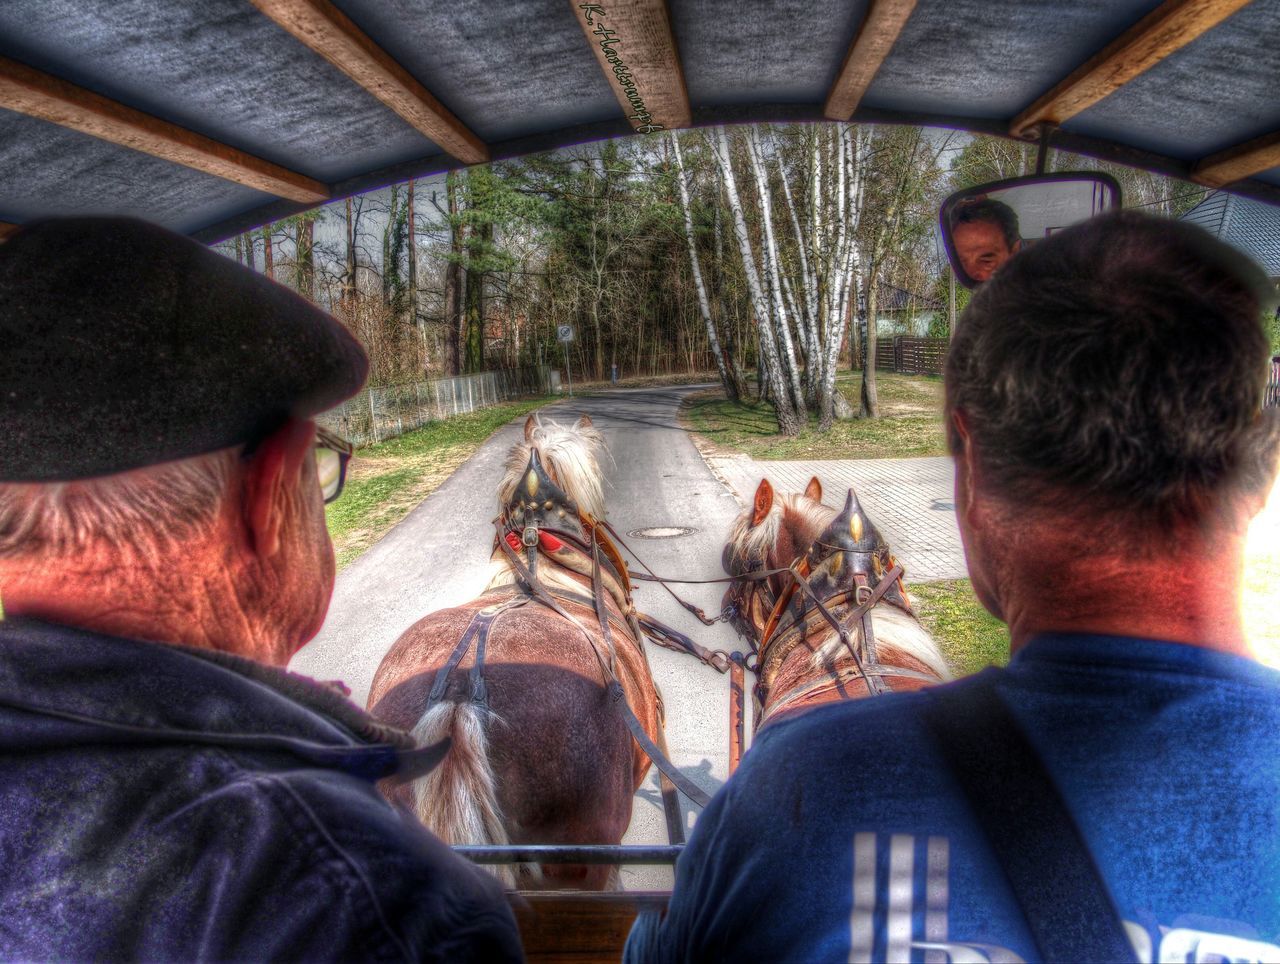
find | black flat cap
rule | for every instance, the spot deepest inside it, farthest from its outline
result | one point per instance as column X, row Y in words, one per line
column 124, row 345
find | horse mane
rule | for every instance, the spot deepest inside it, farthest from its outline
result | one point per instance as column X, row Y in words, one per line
column 502, row 574
column 749, row 544
column 893, row 628
column 570, row 453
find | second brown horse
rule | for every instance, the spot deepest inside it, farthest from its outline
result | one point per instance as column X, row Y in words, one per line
column 845, row 565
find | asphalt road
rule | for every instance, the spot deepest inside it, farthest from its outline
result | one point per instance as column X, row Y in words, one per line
column 435, row 558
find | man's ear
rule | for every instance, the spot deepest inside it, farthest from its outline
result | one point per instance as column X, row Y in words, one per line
column 964, row 459
column 273, row 472
column 814, row 489
column 763, row 502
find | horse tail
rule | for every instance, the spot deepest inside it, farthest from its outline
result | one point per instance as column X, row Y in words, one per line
column 458, row 800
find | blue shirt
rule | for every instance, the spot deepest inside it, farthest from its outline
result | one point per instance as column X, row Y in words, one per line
column 843, row 836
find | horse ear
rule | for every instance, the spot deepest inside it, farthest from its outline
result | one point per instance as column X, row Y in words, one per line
column 529, row 426
column 763, row 503
column 584, row 421
column 814, row 489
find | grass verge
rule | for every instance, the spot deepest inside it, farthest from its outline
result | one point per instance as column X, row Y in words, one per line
column 910, row 424
column 971, row 637
column 385, row 481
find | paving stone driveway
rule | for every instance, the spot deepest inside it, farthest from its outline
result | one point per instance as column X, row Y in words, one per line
column 909, row 500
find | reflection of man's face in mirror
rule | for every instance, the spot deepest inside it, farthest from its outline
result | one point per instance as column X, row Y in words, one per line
column 982, row 248
column 985, row 235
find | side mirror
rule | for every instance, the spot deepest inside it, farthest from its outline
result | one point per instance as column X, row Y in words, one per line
column 984, row 226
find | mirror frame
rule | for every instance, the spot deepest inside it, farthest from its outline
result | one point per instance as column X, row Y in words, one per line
column 944, row 212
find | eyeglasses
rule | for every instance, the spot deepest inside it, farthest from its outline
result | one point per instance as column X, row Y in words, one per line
column 332, row 455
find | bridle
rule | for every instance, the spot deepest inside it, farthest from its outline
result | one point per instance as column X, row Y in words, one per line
column 831, row 583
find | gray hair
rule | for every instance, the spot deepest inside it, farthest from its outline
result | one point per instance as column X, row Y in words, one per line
column 1118, row 368
column 148, row 511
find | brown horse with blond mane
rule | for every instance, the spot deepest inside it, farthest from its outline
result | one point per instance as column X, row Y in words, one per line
column 831, row 620
column 539, row 752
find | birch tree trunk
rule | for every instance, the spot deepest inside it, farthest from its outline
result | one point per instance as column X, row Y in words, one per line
column 729, row 383
column 772, row 269
column 788, row 421
column 841, row 272
column 806, row 306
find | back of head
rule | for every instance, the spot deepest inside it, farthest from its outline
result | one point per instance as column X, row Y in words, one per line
column 1118, row 366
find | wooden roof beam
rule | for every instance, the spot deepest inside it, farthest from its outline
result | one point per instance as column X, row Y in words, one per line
column 1236, row 163
column 329, row 32
column 1163, row 31
column 876, row 37
column 33, row 92
column 636, row 49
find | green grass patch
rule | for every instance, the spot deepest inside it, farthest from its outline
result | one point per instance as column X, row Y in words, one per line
column 971, row 637
column 910, row 424
column 385, row 481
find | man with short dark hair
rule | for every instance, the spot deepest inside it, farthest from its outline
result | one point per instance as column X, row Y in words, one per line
column 169, row 791
column 1123, row 798
column 985, row 234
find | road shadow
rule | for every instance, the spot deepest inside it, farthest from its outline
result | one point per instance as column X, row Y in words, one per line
column 700, row 775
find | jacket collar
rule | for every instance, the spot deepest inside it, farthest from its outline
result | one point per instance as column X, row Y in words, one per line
column 88, row 687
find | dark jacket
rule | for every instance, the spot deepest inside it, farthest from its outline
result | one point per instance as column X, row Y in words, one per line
column 160, row 802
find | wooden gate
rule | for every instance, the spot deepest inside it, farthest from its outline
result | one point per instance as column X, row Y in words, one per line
column 912, row 356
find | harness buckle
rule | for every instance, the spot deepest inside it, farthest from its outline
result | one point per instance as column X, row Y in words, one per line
column 529, row 538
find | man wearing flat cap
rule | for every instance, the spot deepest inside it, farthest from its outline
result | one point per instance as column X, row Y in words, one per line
column 169, row 791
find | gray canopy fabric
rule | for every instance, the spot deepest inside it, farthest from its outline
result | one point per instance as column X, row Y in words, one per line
column 215, row 116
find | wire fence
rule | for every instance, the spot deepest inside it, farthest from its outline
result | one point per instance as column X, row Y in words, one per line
column 378, row 414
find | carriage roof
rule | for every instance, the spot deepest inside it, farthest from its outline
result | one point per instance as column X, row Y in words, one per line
column 216, row 117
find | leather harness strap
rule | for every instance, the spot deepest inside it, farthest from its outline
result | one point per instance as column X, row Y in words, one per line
column 839, row 678
column 1052, row 873
column 478, row 631
column 658, row 632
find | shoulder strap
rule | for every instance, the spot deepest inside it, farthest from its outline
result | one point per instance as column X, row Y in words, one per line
column 1027, row 823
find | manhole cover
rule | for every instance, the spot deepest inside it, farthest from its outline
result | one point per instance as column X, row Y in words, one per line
column 662, row 532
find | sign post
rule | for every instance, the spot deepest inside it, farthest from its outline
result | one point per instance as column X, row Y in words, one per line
column 564, row 335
